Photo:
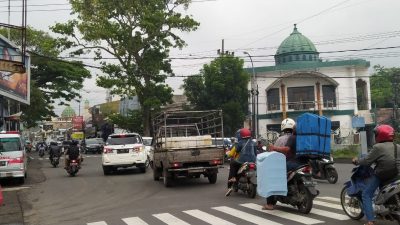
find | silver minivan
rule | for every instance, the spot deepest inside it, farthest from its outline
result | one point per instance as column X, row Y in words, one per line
column 13, row 157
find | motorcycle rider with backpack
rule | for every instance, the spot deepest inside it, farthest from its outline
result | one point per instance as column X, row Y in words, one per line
column 54, row 151
column 72, row 153
column 247, row 151
column 383, row 156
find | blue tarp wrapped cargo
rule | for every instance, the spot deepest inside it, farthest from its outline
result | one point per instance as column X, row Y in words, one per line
column 313, row 135
column 271, row 174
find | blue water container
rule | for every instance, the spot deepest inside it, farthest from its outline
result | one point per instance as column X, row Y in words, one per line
column 271, row 174
column 313, row 135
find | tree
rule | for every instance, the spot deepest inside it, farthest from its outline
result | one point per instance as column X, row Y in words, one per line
column 138, row 35
column 133, row 122
column 54, row 78
column 221, row 85
column 382, row 86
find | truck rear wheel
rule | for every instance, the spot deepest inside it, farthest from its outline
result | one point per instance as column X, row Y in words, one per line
column 156, row 174
column 167, row 178
column 212, row 178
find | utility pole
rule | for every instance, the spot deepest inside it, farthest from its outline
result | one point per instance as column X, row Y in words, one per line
column 395, row 87
column 222, row 51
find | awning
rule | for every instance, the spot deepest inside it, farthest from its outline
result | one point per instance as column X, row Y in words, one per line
column 15, row 116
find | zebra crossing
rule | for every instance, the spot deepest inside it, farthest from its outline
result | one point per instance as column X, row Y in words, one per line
column 325, row 209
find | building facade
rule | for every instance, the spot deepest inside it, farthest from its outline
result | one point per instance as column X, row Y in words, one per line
column 301, row 82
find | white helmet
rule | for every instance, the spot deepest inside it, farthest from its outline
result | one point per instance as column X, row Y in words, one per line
column 287, row 124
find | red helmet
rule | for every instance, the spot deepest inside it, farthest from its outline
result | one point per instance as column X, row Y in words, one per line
column 245, row 133
column 383, row 133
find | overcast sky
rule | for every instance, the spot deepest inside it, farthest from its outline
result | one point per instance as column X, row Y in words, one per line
column 258, row 27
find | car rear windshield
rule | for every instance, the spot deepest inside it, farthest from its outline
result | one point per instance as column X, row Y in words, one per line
column 10, row 144
column 147, row 142
column 123, row 139
column 93, row 141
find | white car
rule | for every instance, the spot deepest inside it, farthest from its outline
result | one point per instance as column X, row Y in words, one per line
column 123, row 151
column 13, row 157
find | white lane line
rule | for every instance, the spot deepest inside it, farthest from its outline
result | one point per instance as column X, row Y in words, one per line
column 336, row 216
column 245, row 216
column 31, row 157
column 170, row 219
column 329, row 199
column 329, row 205
column 15, row 188
column 98, row 223
column 40, row 158
column 134, row 221
column 283, row 214
column 208, row 218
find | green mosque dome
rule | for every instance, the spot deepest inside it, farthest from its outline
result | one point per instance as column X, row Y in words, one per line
column 295, row 48
column 68, row 112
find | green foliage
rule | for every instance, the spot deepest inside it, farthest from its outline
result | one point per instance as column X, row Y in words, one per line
column 348, row 152
column 221, row 85
column 133, row 122
column 54, row 78
column 139, row 35
column 382, row 87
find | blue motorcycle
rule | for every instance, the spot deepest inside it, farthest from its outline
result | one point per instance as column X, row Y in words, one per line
column 386, row 201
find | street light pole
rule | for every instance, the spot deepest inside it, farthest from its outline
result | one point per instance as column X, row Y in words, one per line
column 254, row 93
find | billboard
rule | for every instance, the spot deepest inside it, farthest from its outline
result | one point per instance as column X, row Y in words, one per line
column 77, row 136
column 14, row 80
column 77, row 122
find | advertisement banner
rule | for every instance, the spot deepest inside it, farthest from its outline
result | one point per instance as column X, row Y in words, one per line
column 14, row 79
column 77, row 136
column 77, row 122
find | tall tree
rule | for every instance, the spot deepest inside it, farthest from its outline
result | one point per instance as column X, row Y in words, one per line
column 382, row 82
column 221, row 85
column 51, row 78
column 139, row 35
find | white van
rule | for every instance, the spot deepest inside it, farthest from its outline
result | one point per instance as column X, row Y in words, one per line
column 13, row 157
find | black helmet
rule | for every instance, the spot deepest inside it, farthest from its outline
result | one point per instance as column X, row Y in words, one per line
column 53, row 143
column 74, row 142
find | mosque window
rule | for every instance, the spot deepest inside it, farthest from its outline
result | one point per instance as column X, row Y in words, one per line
column 273, row 99
column 304, row 58
column 301, row 98
column 329, row 96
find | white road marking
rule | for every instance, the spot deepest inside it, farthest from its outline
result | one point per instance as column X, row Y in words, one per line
column 98, row 223
column 329, row 199
column 170, row 219
column 15, row 188
column 329, row 205
column 283, row 214
column 208, row 218
column 245, row 216
column 336, row 216
column 134, row 221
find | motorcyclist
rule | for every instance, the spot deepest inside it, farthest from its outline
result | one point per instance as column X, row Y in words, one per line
column 72, row 153
column 41, row 147
column 383, row 156
column 285, row 144
column 246, row 150
column 54, row 151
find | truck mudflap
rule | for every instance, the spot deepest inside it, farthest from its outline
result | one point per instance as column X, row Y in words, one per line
column 195, row 169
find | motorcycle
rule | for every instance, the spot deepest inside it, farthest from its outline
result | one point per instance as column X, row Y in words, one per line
column 73, row 167
column 55, row 160
column 41, row 151
column 246, row 179
column 301, row 190
column 386, row 200
column 327, row 169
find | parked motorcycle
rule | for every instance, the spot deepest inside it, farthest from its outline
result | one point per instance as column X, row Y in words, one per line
column 55, row 160
column 246, row 180
column 73, row 167
column 41, row 151
column 301, row 190
column 386, row 201
column 327, row 169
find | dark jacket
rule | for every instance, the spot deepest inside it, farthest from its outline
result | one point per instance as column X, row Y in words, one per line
column 73, row 152
column 55, row 150
column 247, row 151
column 382, row 155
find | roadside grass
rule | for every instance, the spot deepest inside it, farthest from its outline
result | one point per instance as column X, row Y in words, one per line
column 348, row 152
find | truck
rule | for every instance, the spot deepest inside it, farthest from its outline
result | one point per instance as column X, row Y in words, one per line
column 185, row 145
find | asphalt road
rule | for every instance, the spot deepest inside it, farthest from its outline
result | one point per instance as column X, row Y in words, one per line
column 131, row 197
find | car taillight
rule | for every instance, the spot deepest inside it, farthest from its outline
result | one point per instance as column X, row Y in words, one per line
column 138, row 149
column 216, row 162
column 107, row 150
column 16, row 160
column 176, row 165
column 306, row 169
column 252, row 166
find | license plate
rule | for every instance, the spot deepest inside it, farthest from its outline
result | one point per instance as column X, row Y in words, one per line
column 3, row 163
column 74, row 164
column 120, row 151
column 196, row 171
column 310, row 183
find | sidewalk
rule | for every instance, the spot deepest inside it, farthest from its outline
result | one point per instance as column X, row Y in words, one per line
column 11, row 211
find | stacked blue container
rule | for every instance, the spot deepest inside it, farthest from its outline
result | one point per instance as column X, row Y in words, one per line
column 313, row 135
